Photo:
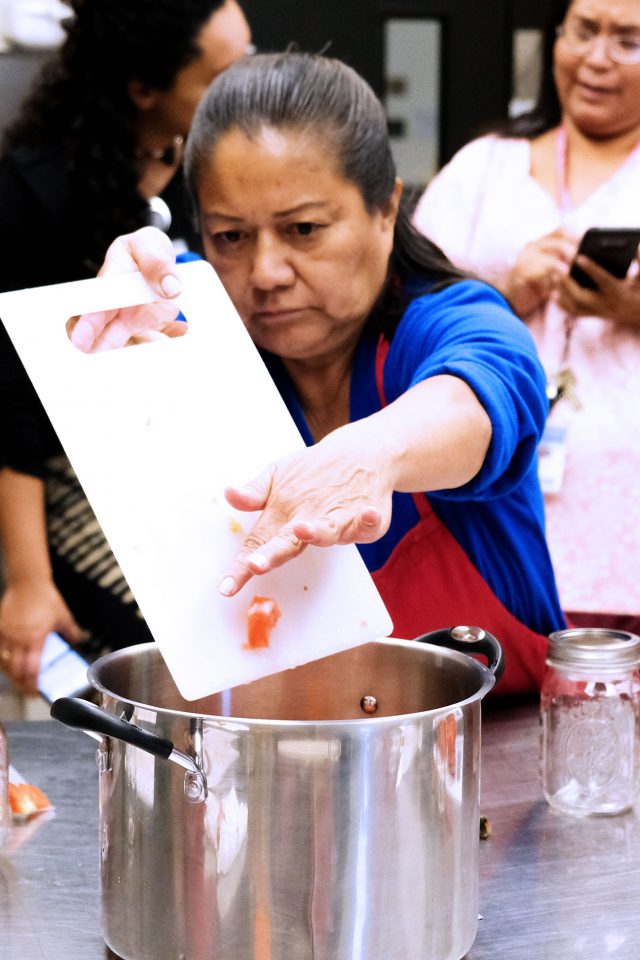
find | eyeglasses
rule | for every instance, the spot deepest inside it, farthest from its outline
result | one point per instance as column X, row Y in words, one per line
column 580, row 38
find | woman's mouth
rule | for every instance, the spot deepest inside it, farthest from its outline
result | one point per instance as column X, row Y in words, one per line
column 276, row 315
column 591, row 92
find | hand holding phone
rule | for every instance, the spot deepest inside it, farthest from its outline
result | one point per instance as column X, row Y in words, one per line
column 613, row 248
column 63, row 672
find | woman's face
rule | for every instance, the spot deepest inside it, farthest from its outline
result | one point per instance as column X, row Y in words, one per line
column 292, row 241
column 600, row 96
column 223, row 39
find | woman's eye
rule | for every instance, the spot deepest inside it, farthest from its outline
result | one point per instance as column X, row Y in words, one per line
column 627, row 43
column 227, row 237
column 305, row 229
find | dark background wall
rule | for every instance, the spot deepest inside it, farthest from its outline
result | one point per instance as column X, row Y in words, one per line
column 476, row 55
column 475, row 66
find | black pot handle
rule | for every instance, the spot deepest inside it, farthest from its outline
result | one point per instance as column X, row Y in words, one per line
column 87, row 716
column 469, row 640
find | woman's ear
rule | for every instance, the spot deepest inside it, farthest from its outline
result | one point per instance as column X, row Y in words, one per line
column 142, row 96
column 394, row 201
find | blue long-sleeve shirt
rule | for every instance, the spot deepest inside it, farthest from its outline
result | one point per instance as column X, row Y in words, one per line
column 467, row 330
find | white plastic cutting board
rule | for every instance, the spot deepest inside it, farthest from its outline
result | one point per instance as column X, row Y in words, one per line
column 155, row 432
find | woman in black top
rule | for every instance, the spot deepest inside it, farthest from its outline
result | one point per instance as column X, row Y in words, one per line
column 96, row 144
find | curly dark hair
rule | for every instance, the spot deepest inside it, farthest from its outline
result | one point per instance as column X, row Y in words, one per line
column 80, row 107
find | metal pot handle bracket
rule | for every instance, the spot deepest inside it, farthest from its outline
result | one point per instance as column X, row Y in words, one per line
column 86, row 716
column 469, row 640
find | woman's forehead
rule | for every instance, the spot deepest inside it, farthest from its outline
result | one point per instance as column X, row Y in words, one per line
column 268, row 149
column 272, row 176
column 621, row 13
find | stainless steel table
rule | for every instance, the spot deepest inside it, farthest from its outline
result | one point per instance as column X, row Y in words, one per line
column 551, row 887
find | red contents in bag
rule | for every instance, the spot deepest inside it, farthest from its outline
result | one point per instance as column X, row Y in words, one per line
column 263, row 615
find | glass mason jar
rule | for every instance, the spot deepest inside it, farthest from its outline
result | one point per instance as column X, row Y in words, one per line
column 590, row 721
column 5, row 816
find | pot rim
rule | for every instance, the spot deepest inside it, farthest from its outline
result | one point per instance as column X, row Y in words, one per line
column 484, row 674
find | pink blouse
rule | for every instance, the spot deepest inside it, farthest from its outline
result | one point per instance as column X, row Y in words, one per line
column 482, row 208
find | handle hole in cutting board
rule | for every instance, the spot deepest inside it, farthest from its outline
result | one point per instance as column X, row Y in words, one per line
column 132, row 326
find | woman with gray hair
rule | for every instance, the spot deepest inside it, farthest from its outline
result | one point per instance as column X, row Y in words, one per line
column 417, row 390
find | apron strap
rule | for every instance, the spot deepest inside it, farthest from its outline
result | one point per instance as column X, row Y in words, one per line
column 382, row 349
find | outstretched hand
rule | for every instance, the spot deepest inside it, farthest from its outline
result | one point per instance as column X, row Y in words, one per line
column 149, row 251
column 332, row 493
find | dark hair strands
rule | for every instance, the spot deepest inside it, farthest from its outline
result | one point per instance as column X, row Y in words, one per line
column 546, row 113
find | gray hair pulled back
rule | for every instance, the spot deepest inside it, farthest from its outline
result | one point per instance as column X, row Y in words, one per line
column 304, row 92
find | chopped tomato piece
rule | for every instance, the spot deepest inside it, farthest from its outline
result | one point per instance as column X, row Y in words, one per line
column 25, row 798
column 263, row 615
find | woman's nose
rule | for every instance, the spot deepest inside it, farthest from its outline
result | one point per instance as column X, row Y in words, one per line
column 598, row 53
column 271, row 265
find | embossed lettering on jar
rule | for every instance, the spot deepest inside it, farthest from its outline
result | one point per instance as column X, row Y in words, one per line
column 590, row 715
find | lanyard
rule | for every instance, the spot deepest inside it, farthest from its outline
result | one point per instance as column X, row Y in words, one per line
column 565, row 203
column 563, row 382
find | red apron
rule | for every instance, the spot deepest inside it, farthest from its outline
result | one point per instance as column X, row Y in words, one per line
column 429, row 582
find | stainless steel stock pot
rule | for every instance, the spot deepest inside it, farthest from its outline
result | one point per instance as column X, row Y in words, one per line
column 328, row 812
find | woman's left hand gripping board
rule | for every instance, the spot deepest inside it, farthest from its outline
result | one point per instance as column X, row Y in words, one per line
column 149, row 251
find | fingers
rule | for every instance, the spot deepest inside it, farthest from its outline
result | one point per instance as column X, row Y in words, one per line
column 253, row 495
column 71, row 631
column 115, row 334
column 22, row 665
column 559, row 245
column 84, row 331
column 150, row 251
column 137, row 324
column 341, row 527
column 564, row 247
column 322, row 495
column 262, row 553
column 28, row 669
column 583, row 301
column 175, row 328
column 260, row 556
column 112, row 329
column 603, row 280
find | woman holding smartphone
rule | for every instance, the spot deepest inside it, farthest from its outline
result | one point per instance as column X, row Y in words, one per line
column 513, row 206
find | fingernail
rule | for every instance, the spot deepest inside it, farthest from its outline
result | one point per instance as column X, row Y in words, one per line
column 171, row 286
column 258, row 560
column 226, row 586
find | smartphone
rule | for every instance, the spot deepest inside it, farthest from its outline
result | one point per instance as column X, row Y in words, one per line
column 611, row 247
column 63, row 672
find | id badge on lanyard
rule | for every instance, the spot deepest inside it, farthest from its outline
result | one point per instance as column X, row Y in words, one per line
column 552, row 458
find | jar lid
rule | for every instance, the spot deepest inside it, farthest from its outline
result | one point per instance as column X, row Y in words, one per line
column 595, row 646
